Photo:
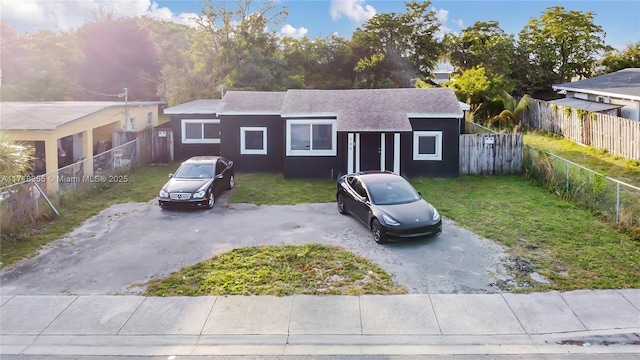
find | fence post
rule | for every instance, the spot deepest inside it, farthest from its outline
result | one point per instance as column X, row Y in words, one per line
column 617, row 202
column 568, row 177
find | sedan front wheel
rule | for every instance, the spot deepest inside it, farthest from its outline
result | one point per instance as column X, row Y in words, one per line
column 211, row 201
column 378, row 233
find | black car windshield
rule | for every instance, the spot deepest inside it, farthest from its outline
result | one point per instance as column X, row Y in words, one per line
column 392, row 192
column 194, row 171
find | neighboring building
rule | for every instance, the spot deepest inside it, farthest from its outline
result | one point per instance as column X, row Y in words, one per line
column 325, row 133
column 62, row 132
column 442, row 73
column 617, row 94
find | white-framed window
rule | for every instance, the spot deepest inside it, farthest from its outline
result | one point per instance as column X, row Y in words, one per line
column 311, row 137
column 253, row 140
column 200, row 131
column 427, row 145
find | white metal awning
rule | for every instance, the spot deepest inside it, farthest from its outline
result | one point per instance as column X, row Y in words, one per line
column 585, row 104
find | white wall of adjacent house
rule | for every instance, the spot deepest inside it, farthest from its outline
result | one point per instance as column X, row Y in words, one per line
column 630, row 108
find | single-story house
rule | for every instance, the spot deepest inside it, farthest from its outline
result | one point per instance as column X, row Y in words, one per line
column 325, row 133
column 617, row 93
column 62, row 132
column 442, row 73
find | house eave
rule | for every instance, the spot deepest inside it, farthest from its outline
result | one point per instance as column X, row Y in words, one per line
column 456, row 115
column 597, row 92
column 256, row 112
column 310, row 115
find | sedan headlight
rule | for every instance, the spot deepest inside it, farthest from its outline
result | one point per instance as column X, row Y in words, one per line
column 164, row 193
column 199, row 194
column 389, row 220
column 436, row 215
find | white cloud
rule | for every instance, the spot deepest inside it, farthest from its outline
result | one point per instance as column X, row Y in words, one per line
column 290, row 31
column 443, row 16
column 33, row 15
column 459, row 23
column 354, row 10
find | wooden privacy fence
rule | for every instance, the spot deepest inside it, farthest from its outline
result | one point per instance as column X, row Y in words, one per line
column 491, row 154
column 617, row 135
column 154, row 145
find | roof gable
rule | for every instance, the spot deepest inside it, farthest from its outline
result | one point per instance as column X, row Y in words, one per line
column 373, row 109
column 623, row 83
column 252, row 103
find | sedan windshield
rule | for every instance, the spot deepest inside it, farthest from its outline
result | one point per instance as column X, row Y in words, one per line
column 195, row 171
column 392, row 192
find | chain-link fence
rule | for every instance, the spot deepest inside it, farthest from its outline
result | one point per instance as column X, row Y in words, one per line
column 38, row 197
column 613, row 199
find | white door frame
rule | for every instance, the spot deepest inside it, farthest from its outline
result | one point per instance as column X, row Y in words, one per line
column 353, row 152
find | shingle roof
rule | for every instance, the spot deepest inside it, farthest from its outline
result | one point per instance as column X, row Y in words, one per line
column 251, row 103
column 623, row 83
column 373, row 109
column 48, row 115
column 200, row 106
column 584, row 104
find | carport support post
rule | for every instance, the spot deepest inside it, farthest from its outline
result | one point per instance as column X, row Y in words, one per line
column 51, row 153
column 87, row 151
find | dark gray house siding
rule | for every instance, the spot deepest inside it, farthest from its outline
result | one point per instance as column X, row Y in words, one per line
column 448, row 166
column 311, row 167
column 183, row 151
column 272, row 161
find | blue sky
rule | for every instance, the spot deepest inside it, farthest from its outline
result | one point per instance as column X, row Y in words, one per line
column 619, row 18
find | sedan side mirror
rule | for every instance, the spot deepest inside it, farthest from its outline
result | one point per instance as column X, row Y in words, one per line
column 219, row 176
column 170, row 175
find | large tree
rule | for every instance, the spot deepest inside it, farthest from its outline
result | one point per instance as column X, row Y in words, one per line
column 395, row 48
column 118, row 54
column 482, row 44
column 559, row 46
column 242, row 45
column 320, row 63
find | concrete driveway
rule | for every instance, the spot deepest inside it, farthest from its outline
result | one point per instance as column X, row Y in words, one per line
column 128, row 244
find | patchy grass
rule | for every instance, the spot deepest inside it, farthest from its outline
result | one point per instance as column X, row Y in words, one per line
column 595, row 159
column 142, row 185
column 279, row 270
column 570, row 246
column 274, row 189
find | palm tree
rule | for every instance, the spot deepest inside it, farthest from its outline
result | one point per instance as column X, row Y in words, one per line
column 15, row 160
column 503, row 111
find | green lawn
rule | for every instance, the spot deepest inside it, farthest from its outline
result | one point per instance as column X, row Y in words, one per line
column 311, row 269
column 595, row 159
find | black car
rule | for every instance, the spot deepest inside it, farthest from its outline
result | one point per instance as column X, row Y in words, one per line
column 197, row 183
column 388, row 205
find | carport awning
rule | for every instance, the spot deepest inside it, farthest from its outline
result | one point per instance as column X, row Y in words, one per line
column 585, row 104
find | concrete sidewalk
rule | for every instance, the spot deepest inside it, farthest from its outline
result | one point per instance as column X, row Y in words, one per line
column 606, row 322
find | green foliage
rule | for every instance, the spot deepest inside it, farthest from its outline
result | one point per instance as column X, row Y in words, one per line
column 567, row 111
column 392, row 49
column 629, row 57
column 559, row 46
column 15, row 160
column 484, row 44
column 279, row 270
column 581, row 113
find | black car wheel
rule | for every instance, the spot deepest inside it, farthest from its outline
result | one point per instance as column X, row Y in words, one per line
column 212, row 200
column 341, row 207
column 232, row 182
column 378, row 234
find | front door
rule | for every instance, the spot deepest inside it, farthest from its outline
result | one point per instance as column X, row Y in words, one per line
column 370, row 151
